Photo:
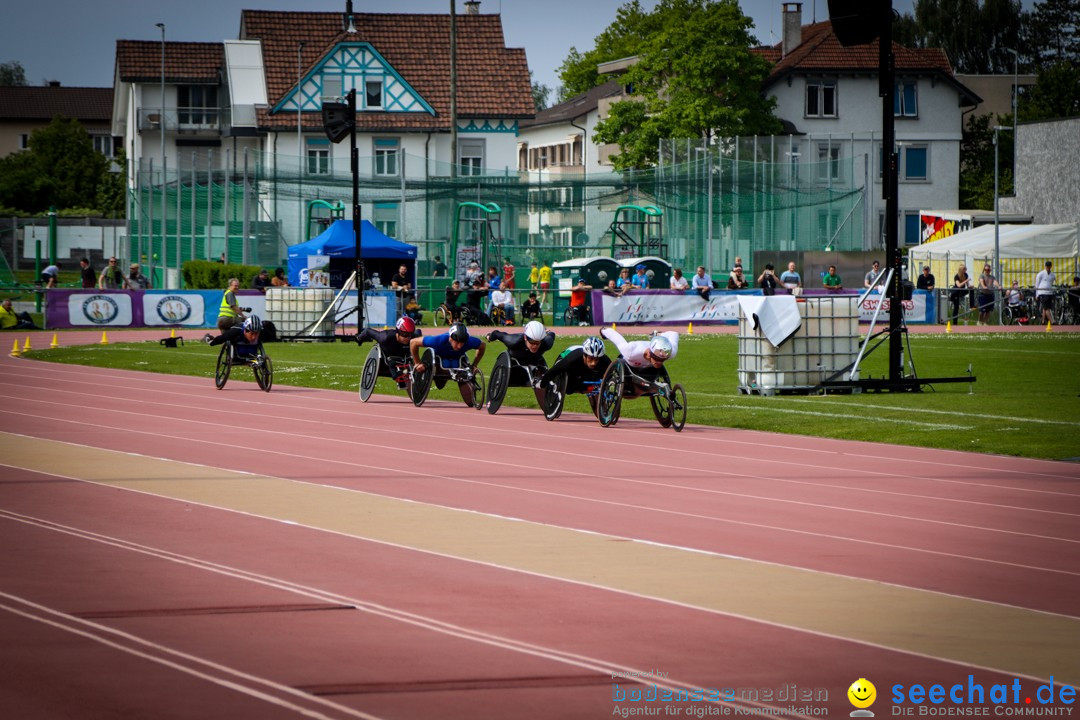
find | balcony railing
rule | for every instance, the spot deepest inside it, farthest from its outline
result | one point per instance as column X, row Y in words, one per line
column 184, row 119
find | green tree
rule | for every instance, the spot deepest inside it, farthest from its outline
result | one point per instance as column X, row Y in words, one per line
column 12, row 73
column 977, row 162
column 540, row 93
column 621, row 39
column 975, row 34
column 1054, row 32
column 1056, row 93
column 61, row 168
column 695, row 77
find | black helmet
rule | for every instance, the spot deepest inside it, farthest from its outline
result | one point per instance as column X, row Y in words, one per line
column 253, row 324
column 459, row 332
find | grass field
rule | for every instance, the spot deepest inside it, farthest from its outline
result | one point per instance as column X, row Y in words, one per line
column 1025, row 401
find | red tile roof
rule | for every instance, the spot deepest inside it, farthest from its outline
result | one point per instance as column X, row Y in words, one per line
column 185, row 62
column 821, row 51
column 44, row 103
column 493, row 80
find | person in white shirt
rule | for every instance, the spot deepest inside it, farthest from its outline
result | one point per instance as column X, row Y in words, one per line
column 702, row 283
column 678, row 282
column 1044, row 291
column 502, row 298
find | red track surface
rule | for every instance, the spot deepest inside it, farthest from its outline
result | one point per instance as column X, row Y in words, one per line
column 123, row 600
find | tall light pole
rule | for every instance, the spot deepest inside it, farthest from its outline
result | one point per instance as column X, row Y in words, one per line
column 161, row 123
column 1015, row 95
column 300, row 140
column 997, row 238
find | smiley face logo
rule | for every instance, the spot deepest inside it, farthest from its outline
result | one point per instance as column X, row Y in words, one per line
column 862, row 693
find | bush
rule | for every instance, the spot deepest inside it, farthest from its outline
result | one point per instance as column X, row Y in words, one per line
column 207, row 275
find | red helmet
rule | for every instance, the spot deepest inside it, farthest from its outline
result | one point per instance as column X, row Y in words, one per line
column 406, row 326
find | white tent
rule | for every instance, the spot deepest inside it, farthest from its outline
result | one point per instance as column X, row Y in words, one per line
column 1016, row 242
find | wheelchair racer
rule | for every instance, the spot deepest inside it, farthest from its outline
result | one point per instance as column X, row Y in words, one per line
column 245, row 337
column 527, row 349
column 584, row 366
column 394, row 344
column 645, row 357
column 449, row 349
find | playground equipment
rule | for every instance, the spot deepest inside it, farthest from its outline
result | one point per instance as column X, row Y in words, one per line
column 637, row 231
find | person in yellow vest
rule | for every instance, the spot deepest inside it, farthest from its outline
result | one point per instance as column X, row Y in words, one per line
column 230, row 313
column 545, row 283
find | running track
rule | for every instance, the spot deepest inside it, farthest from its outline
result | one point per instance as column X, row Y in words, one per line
column 174, row 551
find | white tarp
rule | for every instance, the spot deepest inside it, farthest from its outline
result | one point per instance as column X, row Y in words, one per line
column 1015, row 241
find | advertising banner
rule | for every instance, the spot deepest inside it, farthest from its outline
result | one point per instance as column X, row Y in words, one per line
column 187, row 309
column 97, row 308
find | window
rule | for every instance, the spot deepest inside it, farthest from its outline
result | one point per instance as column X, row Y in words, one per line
column 318, row 156
column 471, row 157
column 386, row 218
column 828, row 162
column 906, row 101
column 332, row 86
column 103, row 144
column 909, row 233
column 373, row 94
column 197, row 105
column 915, row 163
column 820, row 99
column 827, row 223
column 24, row 141
column 386, row 156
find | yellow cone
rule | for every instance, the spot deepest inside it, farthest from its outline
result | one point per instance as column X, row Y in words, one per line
column 26, row 345
column 15, row 352
column 173, row 333
column 690, row 329
column 55, row 342
column 948, row 326
column 612, row 326
column 104, row 338
column 1047, row 329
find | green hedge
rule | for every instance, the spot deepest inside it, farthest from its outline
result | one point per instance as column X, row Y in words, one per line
column 206, row 275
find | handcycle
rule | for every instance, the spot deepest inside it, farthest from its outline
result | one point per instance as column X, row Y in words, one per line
column 501, row 373
column 470, row 381
column 377, row 365
column 235, row 354
column 621, row 382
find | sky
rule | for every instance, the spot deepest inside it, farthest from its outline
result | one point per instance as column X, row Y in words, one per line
column 75, row 42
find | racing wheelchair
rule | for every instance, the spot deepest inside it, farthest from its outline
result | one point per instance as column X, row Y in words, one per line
column 470, row 382
column 234, row 354
column 621, row 383
column 501, row 373
column 377, row 365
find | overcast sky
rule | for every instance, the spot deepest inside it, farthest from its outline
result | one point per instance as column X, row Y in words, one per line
column 75, row 42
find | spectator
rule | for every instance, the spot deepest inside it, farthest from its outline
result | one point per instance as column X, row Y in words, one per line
column 579, row 302
column 400, row 281
column 534, row 277
column 472, row 274
column 261, row 281
column 987, row 284
column 508, row 273
column 89, row 277
column 530, row 309
column 11, row 320
column 111, row 277
column 222, row 259
column 1072, row 296
column 413, row 309
column 767, row 280
column 612, row 288
column 702, row 283
column 136, row 280
column 50, row 275
column 1044, row 291
column 476, row 295
column 440, row 267
column 493, row 279
column 678, row 282
column 545, row 283
column 791, row 279
column 926, row 280
column 625, row 283
column 737, row 281
column 831, row 281
column 640, row 279
column 504, row 299
column 230, row 313
column 279, row 279
column 872, row 276
column 1015, row 303
column 960, row 288
column 736, row 266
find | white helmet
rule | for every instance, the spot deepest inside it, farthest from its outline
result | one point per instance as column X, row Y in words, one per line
column 535, row 331
column 660, row 347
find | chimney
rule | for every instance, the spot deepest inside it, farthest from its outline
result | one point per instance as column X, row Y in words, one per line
column 792, row 27
column 54, row 83
column 472, row 7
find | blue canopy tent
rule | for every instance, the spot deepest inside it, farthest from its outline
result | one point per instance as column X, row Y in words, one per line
column 338, row 244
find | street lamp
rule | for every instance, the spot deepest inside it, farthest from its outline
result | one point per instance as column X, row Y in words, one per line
column 997, row 232
column 300, row 139
column 161, row 123
column 1015, row 95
